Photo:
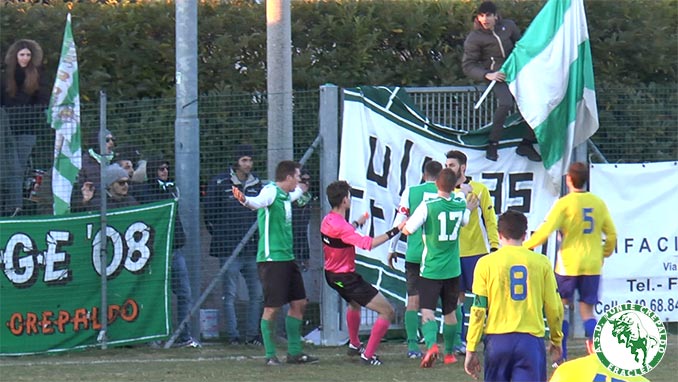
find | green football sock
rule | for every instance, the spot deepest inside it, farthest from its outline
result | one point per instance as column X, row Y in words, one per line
column 430, row 330
column 450, row 336
column 411, row 328
column 266, row 332
column 293, row 327
column 460, row 322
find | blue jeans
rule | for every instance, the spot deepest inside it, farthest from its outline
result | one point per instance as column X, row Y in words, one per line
column 181, row 287
column 247, row 266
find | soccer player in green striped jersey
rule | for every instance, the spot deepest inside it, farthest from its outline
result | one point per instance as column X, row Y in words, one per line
column 440, row 219
column 279, row 274
column 583, row 220
column 411, row 198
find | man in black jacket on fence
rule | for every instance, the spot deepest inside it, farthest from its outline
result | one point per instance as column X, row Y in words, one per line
column 485, row 50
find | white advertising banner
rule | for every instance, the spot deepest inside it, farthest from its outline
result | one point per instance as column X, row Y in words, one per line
column 384, row 145
column 643, row 201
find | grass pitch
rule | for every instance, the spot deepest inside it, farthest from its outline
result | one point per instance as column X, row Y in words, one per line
column 220, row 362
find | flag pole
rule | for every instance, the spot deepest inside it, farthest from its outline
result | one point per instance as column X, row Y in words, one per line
column 482, row 97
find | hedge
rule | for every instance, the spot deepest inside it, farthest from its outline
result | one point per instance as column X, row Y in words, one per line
column 127, row 48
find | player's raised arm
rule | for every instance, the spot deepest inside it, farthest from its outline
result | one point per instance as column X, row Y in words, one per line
column 551, row 223
column 402, row 215
column 265, row 198
column 416, row 220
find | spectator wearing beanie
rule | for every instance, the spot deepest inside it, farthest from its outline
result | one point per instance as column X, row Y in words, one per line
column 116, row 180
column 160, row 186
column 228, row 222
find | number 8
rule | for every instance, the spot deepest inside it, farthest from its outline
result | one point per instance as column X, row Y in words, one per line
column 518, row 282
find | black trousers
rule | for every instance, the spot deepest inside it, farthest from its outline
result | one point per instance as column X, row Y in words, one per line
column 505, row 99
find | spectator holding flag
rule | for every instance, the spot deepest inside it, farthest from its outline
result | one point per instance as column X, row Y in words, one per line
column 485, row 50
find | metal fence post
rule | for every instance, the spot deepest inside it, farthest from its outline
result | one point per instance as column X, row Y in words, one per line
column 187, row 138
column 334, row 331
column 103, row 236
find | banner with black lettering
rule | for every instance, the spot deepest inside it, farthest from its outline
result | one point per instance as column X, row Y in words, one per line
column 643, row 269
column 385, row 142
column 51, row 282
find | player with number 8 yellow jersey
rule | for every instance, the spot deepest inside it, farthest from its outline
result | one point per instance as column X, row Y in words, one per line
column 514, row 289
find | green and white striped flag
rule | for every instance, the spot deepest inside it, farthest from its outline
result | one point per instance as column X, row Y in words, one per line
column 64, row 116
column 550, row 73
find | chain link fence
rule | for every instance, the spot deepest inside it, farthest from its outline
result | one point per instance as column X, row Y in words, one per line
column 637, row 125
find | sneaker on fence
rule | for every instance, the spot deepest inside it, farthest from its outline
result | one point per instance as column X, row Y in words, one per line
column 449, row 359
column 273, row 361
column 354, row 351
column 255, row 341
column 301, row 358
column 460, row 349
column 414, row 354
column 188, row 343
column 430, row 357
column 526, row 150
column 372, row 361
column 155, row 344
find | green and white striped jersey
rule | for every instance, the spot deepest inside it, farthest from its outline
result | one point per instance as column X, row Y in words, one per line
column 440, row 219
column 274, row 217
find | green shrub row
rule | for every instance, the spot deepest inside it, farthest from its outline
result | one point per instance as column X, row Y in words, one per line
column 128, row 48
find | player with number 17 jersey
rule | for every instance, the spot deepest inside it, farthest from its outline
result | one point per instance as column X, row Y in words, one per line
column 440, row 257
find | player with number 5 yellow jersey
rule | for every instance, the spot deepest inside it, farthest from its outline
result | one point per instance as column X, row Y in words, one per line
column 582, row 219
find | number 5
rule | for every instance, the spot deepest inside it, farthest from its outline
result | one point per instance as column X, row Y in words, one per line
column 588, row 219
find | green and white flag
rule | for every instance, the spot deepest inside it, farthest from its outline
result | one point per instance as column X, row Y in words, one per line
column 550, row 73
column 64, row 116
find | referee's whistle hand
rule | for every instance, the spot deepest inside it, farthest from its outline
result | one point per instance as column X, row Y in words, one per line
column 392, row 258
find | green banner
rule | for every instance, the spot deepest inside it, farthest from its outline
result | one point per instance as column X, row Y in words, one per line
column 50, row 287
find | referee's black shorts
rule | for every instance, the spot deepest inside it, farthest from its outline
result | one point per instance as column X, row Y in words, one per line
column 351, row 287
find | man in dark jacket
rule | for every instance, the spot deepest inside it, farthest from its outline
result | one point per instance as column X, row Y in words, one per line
column 228, row 222
column 485, row 50
column 160, row 187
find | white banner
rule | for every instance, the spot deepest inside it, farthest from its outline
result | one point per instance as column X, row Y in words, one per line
column 643, row 201
column 384, row 144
